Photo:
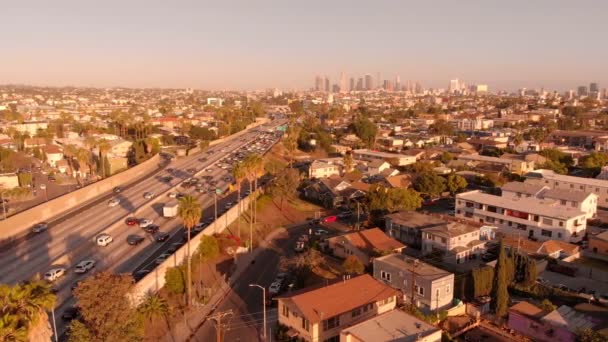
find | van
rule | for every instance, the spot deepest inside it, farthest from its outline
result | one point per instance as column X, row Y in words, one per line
column 104, row 240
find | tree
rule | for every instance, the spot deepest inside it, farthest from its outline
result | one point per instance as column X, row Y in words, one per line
column 555, row 166
column 25, row 179
column 209, row 248
column 174, row 280
column 239, row 174
column 285, row 185
column 446, row 157
column 594, row 161
column 273, row 166
column 381, row 199
column 441, row 127
column 430, row 183
column 153, row 307
column 590, row 335
column 547, row 306
column 105, row 307
column 483, row 278
column 365, row 130
column 189, row 210
column 352, row 265
column 455, row 183
column 104, row 147
column 348, row 161
column 500, row 294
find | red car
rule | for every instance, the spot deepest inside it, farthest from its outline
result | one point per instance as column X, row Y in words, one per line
column 131, row 221
column 330, row 219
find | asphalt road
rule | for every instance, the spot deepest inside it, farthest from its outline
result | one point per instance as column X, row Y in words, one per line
column 245, row 302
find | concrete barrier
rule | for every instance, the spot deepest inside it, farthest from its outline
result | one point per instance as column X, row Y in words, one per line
column 155, row 280
column 22, row 222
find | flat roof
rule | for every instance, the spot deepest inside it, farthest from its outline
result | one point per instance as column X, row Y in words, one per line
column 382, row 154
column 524, row 204
column 422, row 269
column 394, row 325
column 549, row 174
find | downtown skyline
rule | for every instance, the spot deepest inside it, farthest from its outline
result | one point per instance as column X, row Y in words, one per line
column 240, row 46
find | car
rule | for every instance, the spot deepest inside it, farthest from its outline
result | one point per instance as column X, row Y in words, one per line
column 180, row 195
column 140, row 274
column 488, row 256
column 162, row 236
column 131, row 221
column 148, row 195
column 199, row 227
column 228, row 205
column 143, row 223
column 84, row 266
column 134, row 239
column 161, row 258
column 280, row 277
column 172, row 195
column 167, row 179
column 104, row 239
column 191, row 170
column 70, row 314
column 202, row 160
column 319, row 232
column 152, row 228
column 274, row 288
column 299, row 247
column 170, row 170
column 117, row 189
column 113, row 202
column 54, row 274
column 40, row 227
column 563, row 287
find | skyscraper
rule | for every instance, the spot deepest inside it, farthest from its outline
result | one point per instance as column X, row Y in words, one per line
column 352, row 84
column 398, row 83
column 360, row 84
column 593, row 88
column 582, row 91
column 343, row 88
column 368, row 82
column 327, row 88
column 454, row 86
column 318, row 83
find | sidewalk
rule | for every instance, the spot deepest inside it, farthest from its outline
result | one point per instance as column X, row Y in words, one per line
column 184, row 330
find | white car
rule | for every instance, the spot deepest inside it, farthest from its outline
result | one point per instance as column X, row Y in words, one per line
column 113, row 202
column 84, row 266
column 274, row 288
column 143, row 223
column 172, row 195
column 148, row 195
column 54, row 274
column 104, row 240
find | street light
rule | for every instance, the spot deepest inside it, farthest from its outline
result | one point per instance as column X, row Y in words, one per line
column 264, row 304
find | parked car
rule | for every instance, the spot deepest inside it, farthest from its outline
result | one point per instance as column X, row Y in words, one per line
column 104, row 240
column 299, row 247
column 135, row 239
column 319, row 232
column 172, row 195
column 274, row 288
column 40, row 227
column 84, row 266
column 54, row 274
column 70, row 314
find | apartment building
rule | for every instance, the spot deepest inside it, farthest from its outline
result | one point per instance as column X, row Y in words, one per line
column 458, row 242
column 583, row 201
column 432, row 288
column 323, row 168
column 535, row 218
column 363, row 244
column 554, row 180
column 515, row 164
column 321, row 314
column 407, row 226
column 393, row 158
column 394, row 325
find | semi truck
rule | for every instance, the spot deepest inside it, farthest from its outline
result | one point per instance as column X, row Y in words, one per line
column 170, row 209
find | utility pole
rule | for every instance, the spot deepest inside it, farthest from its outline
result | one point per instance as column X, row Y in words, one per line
column 415, row 263
column 215, row 210
column 263, row 305
column 357, row 226
column 218, row 322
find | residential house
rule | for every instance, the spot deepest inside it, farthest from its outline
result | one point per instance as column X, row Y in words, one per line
column 53, row 154
column 399, row 181
column 119, row 148
column 350, row 140
column 432, row 288
column 395, row 326
column 536, row 218
column 321, row 314
column 34, row 142
column 322, row 168
column 364, row 245
column 598, row 245
column 8, row 180
column 514, row 164
column 569, row 183
column 390, row 143
column 559, row 325
column 458, row 242
column 393, row 158
column 333, row 192
column 407, row 226
column 31, row 127
column 549, row 248
column 376, row 167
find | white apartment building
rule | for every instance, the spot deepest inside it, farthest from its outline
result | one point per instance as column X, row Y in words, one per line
column 570, row 183
column 472, row 124
column 323, row 168
column 393, row 158
column 540, row 219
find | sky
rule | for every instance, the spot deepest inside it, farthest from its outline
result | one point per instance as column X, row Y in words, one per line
column 258, row 44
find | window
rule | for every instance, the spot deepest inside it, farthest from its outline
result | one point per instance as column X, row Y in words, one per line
column 521, row 226
column 385, row 275
column 563, row 202
column 469, row 204
column 421, row 290
column 574, row 204
column 356, row 312
column 443, row 240
column 545, row 232
column 331, row 323
column 561, row 223
column 490, row 219
column 547, row 221
column 559, row 235
column 491, row 209
column 333, row 339
column 447, row 289
column 571, row 186
column 305, row 324
column 536, row 218
column 285, row 311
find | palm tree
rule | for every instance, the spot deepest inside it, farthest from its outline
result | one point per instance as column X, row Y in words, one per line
column 238, row 172
column 154, row 306
column 70, row 152
column 254, row 166
column 190, row 212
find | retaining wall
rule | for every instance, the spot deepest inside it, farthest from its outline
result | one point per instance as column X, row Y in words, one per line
column 22, row 222
column 155, row 280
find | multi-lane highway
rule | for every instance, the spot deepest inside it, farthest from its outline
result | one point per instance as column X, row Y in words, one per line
column 71, row 240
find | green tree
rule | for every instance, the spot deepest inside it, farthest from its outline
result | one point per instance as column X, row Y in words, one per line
column 547, row 306
column 590, row 335
column 348, row 161
column 107, row 314
column 352, row 265
column 446, row 157
column 154, row 306
column 190, row 212
column 483, row 278
column 209, row 248
column 594, row 161
column 285, row 185
column 555, row 166
column 239, row 174
column 430, row 183
column 25, row 179
column 455, row 183
column 381, row 199
column 441, row 127
column 500, row 294
column 175, row 281
column 365, row 130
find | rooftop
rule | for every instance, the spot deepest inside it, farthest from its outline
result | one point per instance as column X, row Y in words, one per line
column 381, row 154
column 522, row 188
column 370, row 240
column 551, row 175
column 422, row 269
column 395, row 325
column 340, row 297
column 414, row 219
column 452, row 229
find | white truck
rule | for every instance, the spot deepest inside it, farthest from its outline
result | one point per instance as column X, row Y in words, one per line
column 170, row 209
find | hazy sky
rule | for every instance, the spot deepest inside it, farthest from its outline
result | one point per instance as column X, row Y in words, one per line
column 255, row 44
